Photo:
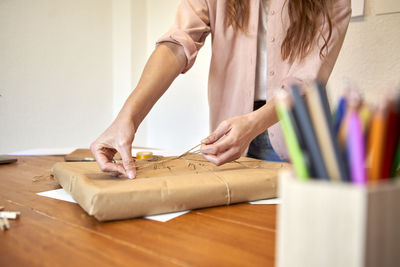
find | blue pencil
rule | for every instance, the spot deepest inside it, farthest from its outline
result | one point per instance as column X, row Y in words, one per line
column 339, row 114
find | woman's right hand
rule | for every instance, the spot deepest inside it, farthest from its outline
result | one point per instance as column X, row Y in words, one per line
column 165, row 63
column 117, row 138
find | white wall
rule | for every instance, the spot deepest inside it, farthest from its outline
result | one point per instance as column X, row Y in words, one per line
column 139, row 55
column 129, row 53
column 179, row 120
column 121, row 52
column 55, row 73
column 370, row 56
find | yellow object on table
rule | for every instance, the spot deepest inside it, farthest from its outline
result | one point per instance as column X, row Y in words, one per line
column 144, row 155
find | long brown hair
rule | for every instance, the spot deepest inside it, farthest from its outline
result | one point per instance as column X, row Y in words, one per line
column 304, row 28
column 237, row 14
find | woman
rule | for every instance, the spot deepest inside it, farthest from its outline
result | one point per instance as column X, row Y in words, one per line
column 258, row 47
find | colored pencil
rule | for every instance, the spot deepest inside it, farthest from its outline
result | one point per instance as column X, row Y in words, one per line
column 391, row 138
column 318, row 106
column 308, row 135
column 376, row 142
column 339, row 114
column 365, row 116
column 300, row 139
column 355, row 148
column 282, row 106
column 396, row 162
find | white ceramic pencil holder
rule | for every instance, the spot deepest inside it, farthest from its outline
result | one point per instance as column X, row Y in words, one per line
column 325, row 223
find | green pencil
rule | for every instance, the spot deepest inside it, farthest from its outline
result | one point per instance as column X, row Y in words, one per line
column 396, row 163
column 283, row 105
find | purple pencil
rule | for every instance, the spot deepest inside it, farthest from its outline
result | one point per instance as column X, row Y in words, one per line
column 356, row 149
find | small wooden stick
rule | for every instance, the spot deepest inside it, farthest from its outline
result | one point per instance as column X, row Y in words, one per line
column 10, row 214
column 6, row 223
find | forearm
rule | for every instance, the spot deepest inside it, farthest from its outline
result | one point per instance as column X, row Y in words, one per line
column 264, row 117
column 232, row 136
column 164, row 65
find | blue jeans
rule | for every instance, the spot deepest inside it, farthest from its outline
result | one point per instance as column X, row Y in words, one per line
column 261, row 148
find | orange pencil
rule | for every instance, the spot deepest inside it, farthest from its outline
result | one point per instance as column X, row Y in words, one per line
column 376, row 142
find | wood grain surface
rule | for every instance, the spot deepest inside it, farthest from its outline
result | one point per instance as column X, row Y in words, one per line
column 52, row 232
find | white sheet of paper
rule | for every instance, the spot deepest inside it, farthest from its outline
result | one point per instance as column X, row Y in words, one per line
column 61, row 194
column 166, row 216
column 271, row 201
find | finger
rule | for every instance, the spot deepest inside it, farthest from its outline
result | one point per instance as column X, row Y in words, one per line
column 222, row 158
column 222, row 129
column 128, row 161
column 113, row 168
column 103, row 156
column 217, row 148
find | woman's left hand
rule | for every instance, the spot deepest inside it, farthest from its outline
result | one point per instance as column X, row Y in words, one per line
column 230, row 139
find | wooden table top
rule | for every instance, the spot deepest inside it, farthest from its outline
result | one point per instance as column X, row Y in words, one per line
column 54, row 232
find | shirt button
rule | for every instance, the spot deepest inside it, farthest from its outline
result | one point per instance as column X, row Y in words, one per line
column 272, row 73
column 272, row 12
column 273, row 39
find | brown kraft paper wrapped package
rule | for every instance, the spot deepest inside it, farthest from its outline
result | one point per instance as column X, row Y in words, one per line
column 167, row 185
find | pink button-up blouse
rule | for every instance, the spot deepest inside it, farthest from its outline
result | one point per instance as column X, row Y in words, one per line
column 233, row 61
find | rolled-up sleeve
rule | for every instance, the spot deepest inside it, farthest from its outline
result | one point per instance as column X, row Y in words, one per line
column 191, row 27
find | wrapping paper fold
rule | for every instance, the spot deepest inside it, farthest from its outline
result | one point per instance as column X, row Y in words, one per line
column 167, row 185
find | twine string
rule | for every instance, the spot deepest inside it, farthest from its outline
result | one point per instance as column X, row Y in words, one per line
column 171, row 158
column 191, row 161
column 228, row 190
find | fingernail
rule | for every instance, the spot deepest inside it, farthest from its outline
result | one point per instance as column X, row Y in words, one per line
column 131, row 174
column 204, row 141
